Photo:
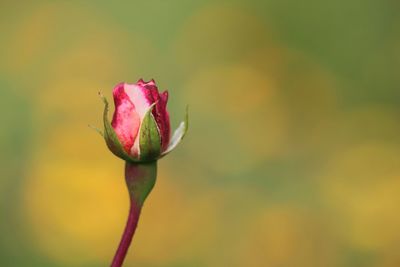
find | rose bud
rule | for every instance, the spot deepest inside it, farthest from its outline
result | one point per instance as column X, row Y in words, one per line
column 140, row 127
column 140, row 134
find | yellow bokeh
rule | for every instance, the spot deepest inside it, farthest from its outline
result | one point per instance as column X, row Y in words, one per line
column 363, row 205
column 74, row 205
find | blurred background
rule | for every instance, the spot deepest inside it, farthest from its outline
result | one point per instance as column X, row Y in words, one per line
column 292, row 156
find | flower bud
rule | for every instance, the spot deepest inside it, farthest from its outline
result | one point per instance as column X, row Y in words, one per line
column 140, row 127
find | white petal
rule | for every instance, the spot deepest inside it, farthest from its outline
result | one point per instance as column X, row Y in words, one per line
column 176, row 138
column 138, row 99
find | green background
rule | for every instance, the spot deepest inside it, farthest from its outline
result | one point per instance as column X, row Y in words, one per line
column 293, row 153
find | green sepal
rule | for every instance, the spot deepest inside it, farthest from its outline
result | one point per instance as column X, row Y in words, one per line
column 112, row 141
column 149, row 137
column 100, row 132
column 179, row 134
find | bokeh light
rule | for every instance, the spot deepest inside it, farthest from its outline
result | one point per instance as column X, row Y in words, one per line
column 293, row 153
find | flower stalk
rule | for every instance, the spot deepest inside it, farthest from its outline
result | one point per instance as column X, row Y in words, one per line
column 140, row 179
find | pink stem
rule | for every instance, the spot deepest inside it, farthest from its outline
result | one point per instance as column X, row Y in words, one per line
column 133, row 218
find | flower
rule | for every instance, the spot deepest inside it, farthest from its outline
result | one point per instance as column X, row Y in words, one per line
column 132, row 101
column 140, row 127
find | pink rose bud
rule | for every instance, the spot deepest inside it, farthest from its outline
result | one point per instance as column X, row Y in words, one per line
column 140, row 129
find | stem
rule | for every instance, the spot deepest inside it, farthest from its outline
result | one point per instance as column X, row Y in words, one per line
column 127, row 236
column 140, row 179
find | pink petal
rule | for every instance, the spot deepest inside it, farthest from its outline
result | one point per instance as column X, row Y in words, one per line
column 126, row 120
column 136, row 95
column 163, row 120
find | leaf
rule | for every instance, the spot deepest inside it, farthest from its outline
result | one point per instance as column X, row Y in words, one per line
column 179, row 134
column 149, row 137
